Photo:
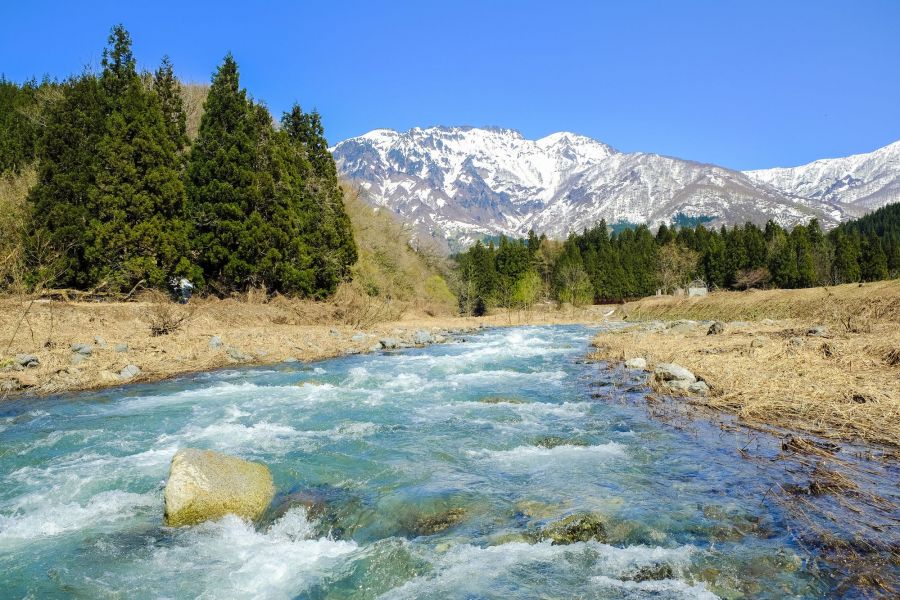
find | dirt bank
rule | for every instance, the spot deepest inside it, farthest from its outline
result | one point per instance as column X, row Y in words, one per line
column 206, row 334
column 826, row 361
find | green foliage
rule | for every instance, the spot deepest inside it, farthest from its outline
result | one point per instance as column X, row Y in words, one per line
column 603, row 264
column 120, row 201
column 18, row 132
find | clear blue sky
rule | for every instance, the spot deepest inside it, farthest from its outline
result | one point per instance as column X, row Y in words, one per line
column 743, row 84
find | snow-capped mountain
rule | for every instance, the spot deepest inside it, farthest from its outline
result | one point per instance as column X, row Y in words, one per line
column 460, row 183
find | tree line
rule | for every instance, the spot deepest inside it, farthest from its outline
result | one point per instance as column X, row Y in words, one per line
column 124, row 198
column 603, row 266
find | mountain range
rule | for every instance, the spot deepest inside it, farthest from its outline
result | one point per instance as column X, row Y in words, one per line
column 463, row 183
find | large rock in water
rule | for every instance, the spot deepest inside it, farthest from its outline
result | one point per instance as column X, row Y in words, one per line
column 205, row 485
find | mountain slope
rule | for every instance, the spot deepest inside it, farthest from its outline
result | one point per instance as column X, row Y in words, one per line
column 462, row 182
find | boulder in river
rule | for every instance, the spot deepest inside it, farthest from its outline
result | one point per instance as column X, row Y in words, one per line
column 205, row 485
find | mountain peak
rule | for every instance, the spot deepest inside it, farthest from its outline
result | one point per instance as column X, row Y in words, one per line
column 465, row 182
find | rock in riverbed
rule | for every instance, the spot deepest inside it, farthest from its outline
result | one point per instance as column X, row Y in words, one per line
column 27, row 361
column 575, row 528
column 205, row 485
column 667, row 372
column 636, row 363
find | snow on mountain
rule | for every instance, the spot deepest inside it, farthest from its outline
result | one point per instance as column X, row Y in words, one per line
column 461, row 183
column 854, row 185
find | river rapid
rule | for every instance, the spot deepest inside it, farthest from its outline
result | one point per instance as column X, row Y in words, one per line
column 426, row 473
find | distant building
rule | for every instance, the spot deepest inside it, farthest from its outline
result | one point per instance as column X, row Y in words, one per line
column 697, row 288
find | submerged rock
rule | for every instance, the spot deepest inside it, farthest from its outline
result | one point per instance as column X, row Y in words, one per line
column 553, row 441
column 501, row 400
column 575, row 528
column 205, row 485
column 438, row 522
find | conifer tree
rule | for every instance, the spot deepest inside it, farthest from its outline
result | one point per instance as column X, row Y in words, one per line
column 136, row 233
column 331, row 237
column 873, row 260
column 168, row 92
column 60, row 207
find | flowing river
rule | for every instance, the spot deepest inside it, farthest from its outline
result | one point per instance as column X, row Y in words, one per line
column 427, row 473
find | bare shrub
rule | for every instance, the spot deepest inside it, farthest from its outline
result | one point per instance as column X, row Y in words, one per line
column 164, row 315
column 359, row 309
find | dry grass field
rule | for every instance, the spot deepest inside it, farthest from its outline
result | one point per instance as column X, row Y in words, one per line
column 771, row 367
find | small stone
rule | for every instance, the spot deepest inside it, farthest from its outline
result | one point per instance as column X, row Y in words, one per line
column 575, row 528
column 28, row 361
column 390, row 343
column 758, row 342
column 237, row 355
column 699, row 387
column 817, row 331
column 636, row 363
column 107, row 376
column 215, row 342
column 422, row 337
column 77, row 359
column 679, row 385
column 101, row 343
column 358, row 338
column 129, row 371
column 121, row 347
column 375, row 348
column 716, row 328
column 82, row 348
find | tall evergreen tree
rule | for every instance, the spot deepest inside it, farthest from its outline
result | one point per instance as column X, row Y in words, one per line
column 136, row 232
column 332, row 235
column 60, row 208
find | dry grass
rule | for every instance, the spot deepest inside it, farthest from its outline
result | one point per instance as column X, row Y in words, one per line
column 844, row 386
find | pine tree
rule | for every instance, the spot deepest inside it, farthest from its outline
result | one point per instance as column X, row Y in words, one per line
column 873, row 260
column 136, row 233
column 60, row 204
column 331, row 237
column 845, row 268
column 168, row 92
column 220, row 180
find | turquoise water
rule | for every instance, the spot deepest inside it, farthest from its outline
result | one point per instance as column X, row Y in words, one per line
column 421, row 474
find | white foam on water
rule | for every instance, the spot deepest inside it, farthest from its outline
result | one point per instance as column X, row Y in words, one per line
column 231, row 559
column 507, row 376
column 54, row 437
column 665, row 588
column 44, row 515
column 230, row 436
column 319, row 371
column 559, row 461
column 466, row 570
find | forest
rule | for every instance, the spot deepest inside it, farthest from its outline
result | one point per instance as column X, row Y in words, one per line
column 600, row 265
column 122, row 197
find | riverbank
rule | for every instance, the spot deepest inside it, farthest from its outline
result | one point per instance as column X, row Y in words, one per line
column 54, row 346
column 824, row 361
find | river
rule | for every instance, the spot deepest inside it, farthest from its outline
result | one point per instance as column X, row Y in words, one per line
column 426, row 473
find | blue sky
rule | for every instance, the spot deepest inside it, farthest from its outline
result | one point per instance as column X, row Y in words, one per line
column 741, row 84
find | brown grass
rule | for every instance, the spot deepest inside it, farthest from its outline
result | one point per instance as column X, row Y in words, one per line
column 844, row 386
